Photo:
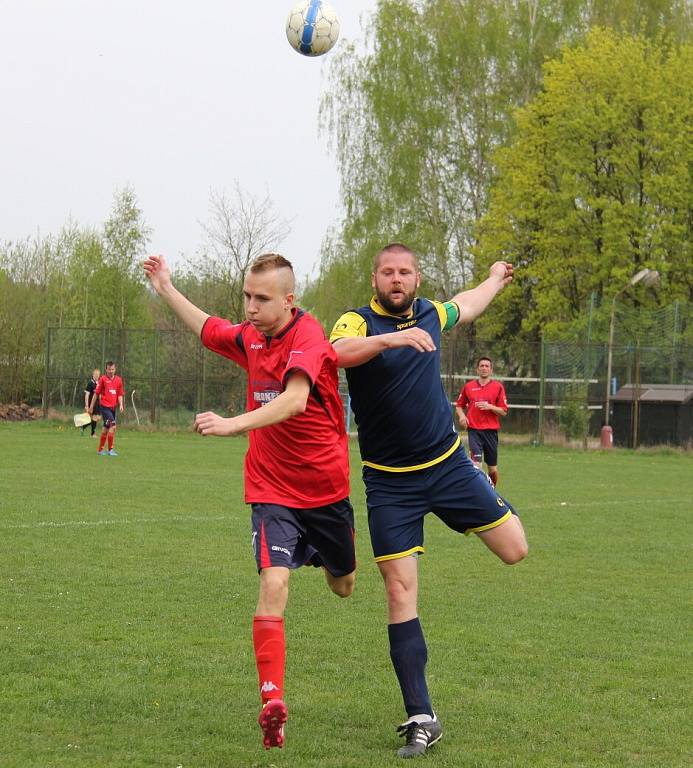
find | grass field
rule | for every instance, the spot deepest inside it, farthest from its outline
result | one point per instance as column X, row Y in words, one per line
column 127, row 587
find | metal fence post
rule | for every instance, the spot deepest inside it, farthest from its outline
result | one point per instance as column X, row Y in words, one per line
column 154, row 380
column 45, row 372
column 542, row 393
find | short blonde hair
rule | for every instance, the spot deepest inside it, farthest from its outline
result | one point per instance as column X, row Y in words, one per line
column 271, row 260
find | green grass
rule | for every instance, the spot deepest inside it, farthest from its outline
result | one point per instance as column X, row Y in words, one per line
column 127, row 588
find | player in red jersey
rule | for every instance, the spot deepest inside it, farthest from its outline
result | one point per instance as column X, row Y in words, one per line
column 479, row 406
column 296, row 467
column 110, row 393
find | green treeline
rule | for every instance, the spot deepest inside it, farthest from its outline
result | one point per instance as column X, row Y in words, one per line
column 557, row 135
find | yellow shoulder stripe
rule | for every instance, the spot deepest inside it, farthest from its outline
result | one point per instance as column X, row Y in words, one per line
column 442, row 313
column 350, row 324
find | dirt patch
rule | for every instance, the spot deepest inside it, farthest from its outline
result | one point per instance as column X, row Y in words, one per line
column 21, row 412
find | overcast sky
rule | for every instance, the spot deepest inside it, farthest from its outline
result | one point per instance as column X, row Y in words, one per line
column 172, row 99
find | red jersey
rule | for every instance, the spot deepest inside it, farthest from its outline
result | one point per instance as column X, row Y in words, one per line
column 472, row 393
column 109, row 390
column 301, row 462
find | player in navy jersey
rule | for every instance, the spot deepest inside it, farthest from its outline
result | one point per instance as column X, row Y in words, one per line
column 413, row 460
column 296, row 467
column 91, row 401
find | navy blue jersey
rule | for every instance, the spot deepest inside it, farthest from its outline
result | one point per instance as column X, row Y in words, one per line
column 401, row 410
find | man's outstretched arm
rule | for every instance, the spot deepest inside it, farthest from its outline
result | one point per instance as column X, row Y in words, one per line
column 159, row 275
column 291, row 402
column 356, row 350
column 473, row 302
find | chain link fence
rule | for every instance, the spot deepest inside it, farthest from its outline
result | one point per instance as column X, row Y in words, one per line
column 554, row 389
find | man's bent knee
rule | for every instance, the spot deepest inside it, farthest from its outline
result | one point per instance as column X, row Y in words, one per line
column 515, row 554
column 342, row 586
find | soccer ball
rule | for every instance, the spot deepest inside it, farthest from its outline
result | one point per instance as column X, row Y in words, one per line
column 312, row 27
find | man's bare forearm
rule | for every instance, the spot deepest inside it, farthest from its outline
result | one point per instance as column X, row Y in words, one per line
column 184, row 309
column 358, row 350
column 472, row 303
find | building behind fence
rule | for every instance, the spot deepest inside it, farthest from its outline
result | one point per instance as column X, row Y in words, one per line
column 553, row 388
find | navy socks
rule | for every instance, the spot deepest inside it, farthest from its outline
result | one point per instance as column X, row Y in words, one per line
column 409, row 656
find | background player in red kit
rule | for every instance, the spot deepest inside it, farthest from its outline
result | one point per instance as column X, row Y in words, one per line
column 479, row 406
column 110, row 392
column 296, row 467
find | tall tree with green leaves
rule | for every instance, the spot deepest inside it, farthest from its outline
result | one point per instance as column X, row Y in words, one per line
column 25, row 268
column 596, row 185
column 125, row 237
column 416, row 118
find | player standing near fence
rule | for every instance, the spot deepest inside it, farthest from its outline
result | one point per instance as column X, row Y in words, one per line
column 479, row 406
column 296, row 467
column 413, row 460
column 110, row 393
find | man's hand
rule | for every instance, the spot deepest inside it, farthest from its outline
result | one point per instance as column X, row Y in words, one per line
column 157, row 271
column 417, row 338
column 209, row 423
column 462, row 418
column 122, row 408
column 503, row 271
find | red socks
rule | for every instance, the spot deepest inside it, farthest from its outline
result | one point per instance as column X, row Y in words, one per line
column 111, row 438
column 270, row 655
column 102, row 441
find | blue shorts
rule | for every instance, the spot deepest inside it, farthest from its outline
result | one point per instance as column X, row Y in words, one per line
column 454, row 490
column 290, row 537
column 109, row 416
column 483, row 443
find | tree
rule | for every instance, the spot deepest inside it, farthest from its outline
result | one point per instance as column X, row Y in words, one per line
column 241, row 227
column 416, row 120
column 24, row 268
column 125, row 237
column 595, row 186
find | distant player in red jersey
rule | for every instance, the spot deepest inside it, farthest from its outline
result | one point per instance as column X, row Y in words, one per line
column 480, row 405
column 110, row 393
column 296, row 467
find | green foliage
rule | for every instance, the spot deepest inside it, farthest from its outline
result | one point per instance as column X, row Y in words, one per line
column 595, row 186
column 125, row 236
column 573, row 416
column 417, row 117
column 79, row 277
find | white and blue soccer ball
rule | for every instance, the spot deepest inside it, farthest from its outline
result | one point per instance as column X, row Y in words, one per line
column 312, row 27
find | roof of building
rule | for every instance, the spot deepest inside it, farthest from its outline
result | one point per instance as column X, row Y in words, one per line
column 655, row 393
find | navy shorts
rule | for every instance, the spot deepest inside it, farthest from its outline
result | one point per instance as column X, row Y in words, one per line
column 290, row 537
column 454, row 490
column 109, row 416
column 483, row 443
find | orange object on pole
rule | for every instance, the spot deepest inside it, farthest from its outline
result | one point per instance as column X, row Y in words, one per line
column 606, row 437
